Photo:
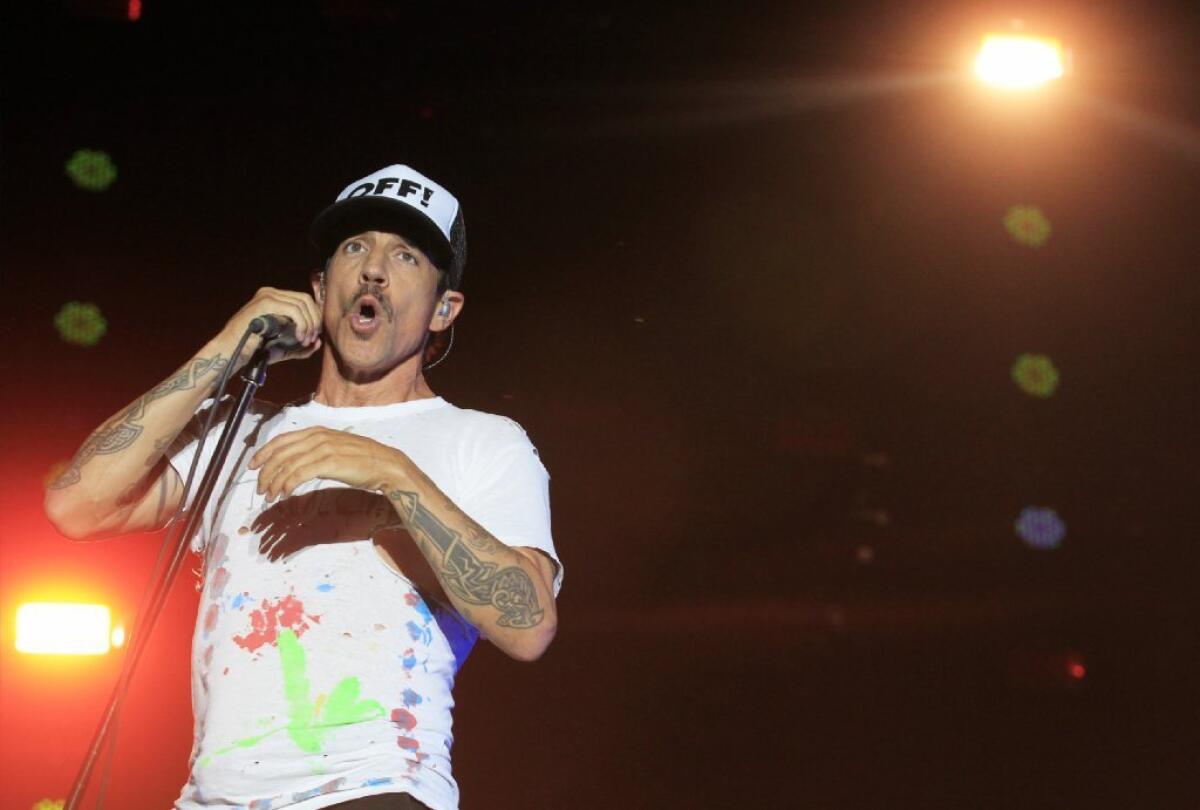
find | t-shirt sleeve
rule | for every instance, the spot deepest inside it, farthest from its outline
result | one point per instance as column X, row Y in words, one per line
column 507, row 489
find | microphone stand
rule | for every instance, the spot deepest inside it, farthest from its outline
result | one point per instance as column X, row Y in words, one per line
column 255, row 377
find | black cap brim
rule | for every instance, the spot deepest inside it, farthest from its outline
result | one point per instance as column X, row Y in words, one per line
column 359, row 214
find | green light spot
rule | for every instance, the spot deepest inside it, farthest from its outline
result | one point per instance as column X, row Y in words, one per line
column 91, row 170
column 1028, row 225
column 1036, row 375
column 80, row 323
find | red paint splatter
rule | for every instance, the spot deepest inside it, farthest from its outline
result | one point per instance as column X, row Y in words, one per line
column 407, row 743
column 219, row 581
column 411, row 599
column 404, row 718
column 210, row 618
column 287, row 612
column 208, row 655
column 414, row 764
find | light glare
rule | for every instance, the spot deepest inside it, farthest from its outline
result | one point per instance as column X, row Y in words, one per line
column 1017, row 62
column 62, row 628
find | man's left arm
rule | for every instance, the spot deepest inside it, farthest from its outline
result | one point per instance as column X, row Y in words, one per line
column 506, row 592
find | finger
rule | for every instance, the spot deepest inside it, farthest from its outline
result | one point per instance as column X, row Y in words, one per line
column 310, row 465
column 298, row 475
column 315, row 311
column 291, row 305
column 308, row 323
column 284, row 463
column 279, row 443
column 311, row 312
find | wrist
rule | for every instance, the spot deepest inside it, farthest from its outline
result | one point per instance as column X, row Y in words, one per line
column 208, row 364
column 397, row 473
column 222, row 346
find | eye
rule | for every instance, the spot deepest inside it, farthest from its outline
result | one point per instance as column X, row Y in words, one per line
column 354, row 246
column 408, row 257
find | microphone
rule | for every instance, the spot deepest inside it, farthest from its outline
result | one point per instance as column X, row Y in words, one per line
column 275, row 329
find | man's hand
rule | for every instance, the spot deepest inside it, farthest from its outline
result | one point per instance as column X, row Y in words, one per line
column 298, row 307
column 290, row 459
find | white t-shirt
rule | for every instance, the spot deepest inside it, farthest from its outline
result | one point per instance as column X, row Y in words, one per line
column 319, row 673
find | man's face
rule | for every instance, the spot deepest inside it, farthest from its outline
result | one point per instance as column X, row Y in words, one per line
column 379, row 301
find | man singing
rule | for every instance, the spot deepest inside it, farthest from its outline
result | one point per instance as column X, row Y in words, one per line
column 357, row 543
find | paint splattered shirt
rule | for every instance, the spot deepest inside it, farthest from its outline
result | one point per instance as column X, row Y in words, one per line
column 320, row 674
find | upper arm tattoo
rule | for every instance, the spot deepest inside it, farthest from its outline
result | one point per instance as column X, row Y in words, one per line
column 478, row 582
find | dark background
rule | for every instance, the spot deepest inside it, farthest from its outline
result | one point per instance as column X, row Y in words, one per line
column 740, row 270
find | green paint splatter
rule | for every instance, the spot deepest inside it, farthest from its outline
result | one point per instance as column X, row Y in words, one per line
column 309, row 720
column 301, row 709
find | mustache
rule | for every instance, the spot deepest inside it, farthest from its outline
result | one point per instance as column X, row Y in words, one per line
column 376, row 292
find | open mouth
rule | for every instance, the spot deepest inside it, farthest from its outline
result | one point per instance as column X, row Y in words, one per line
column 365, row 318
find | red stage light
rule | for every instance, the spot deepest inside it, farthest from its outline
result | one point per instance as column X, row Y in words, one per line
column 135, row 10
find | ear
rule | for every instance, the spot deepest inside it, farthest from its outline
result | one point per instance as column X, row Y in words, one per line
column 451, row 303
column 316, row 279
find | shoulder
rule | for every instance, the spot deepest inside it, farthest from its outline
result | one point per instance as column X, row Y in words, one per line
column 486, row 431
column 481, row 422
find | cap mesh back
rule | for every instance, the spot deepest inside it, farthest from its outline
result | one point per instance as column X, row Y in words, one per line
column 458, row 243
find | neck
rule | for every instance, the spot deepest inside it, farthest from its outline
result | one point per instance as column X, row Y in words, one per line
column 339, row 387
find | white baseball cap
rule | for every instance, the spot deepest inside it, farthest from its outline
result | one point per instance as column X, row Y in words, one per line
column 398, row 199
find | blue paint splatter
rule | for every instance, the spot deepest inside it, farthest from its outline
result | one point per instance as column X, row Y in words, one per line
column 383, row 780
column 419, row 633
column 411, row 698
column 239, row 600
column 409, row 660
column 328, row 787
column 325, row 587
column 423, row 609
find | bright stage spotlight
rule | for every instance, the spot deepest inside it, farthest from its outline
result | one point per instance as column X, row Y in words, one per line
column 1019, row 62
column 63, row 628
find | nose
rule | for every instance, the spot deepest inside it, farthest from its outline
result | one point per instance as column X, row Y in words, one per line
column 373, row 271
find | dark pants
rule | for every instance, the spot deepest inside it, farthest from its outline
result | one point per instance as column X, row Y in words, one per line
column 384, row 801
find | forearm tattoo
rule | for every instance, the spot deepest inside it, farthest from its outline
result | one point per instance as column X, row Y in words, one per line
column 122, row 431
column 478, row 582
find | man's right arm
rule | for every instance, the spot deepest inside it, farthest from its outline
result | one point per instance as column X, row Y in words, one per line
column 121, row 480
